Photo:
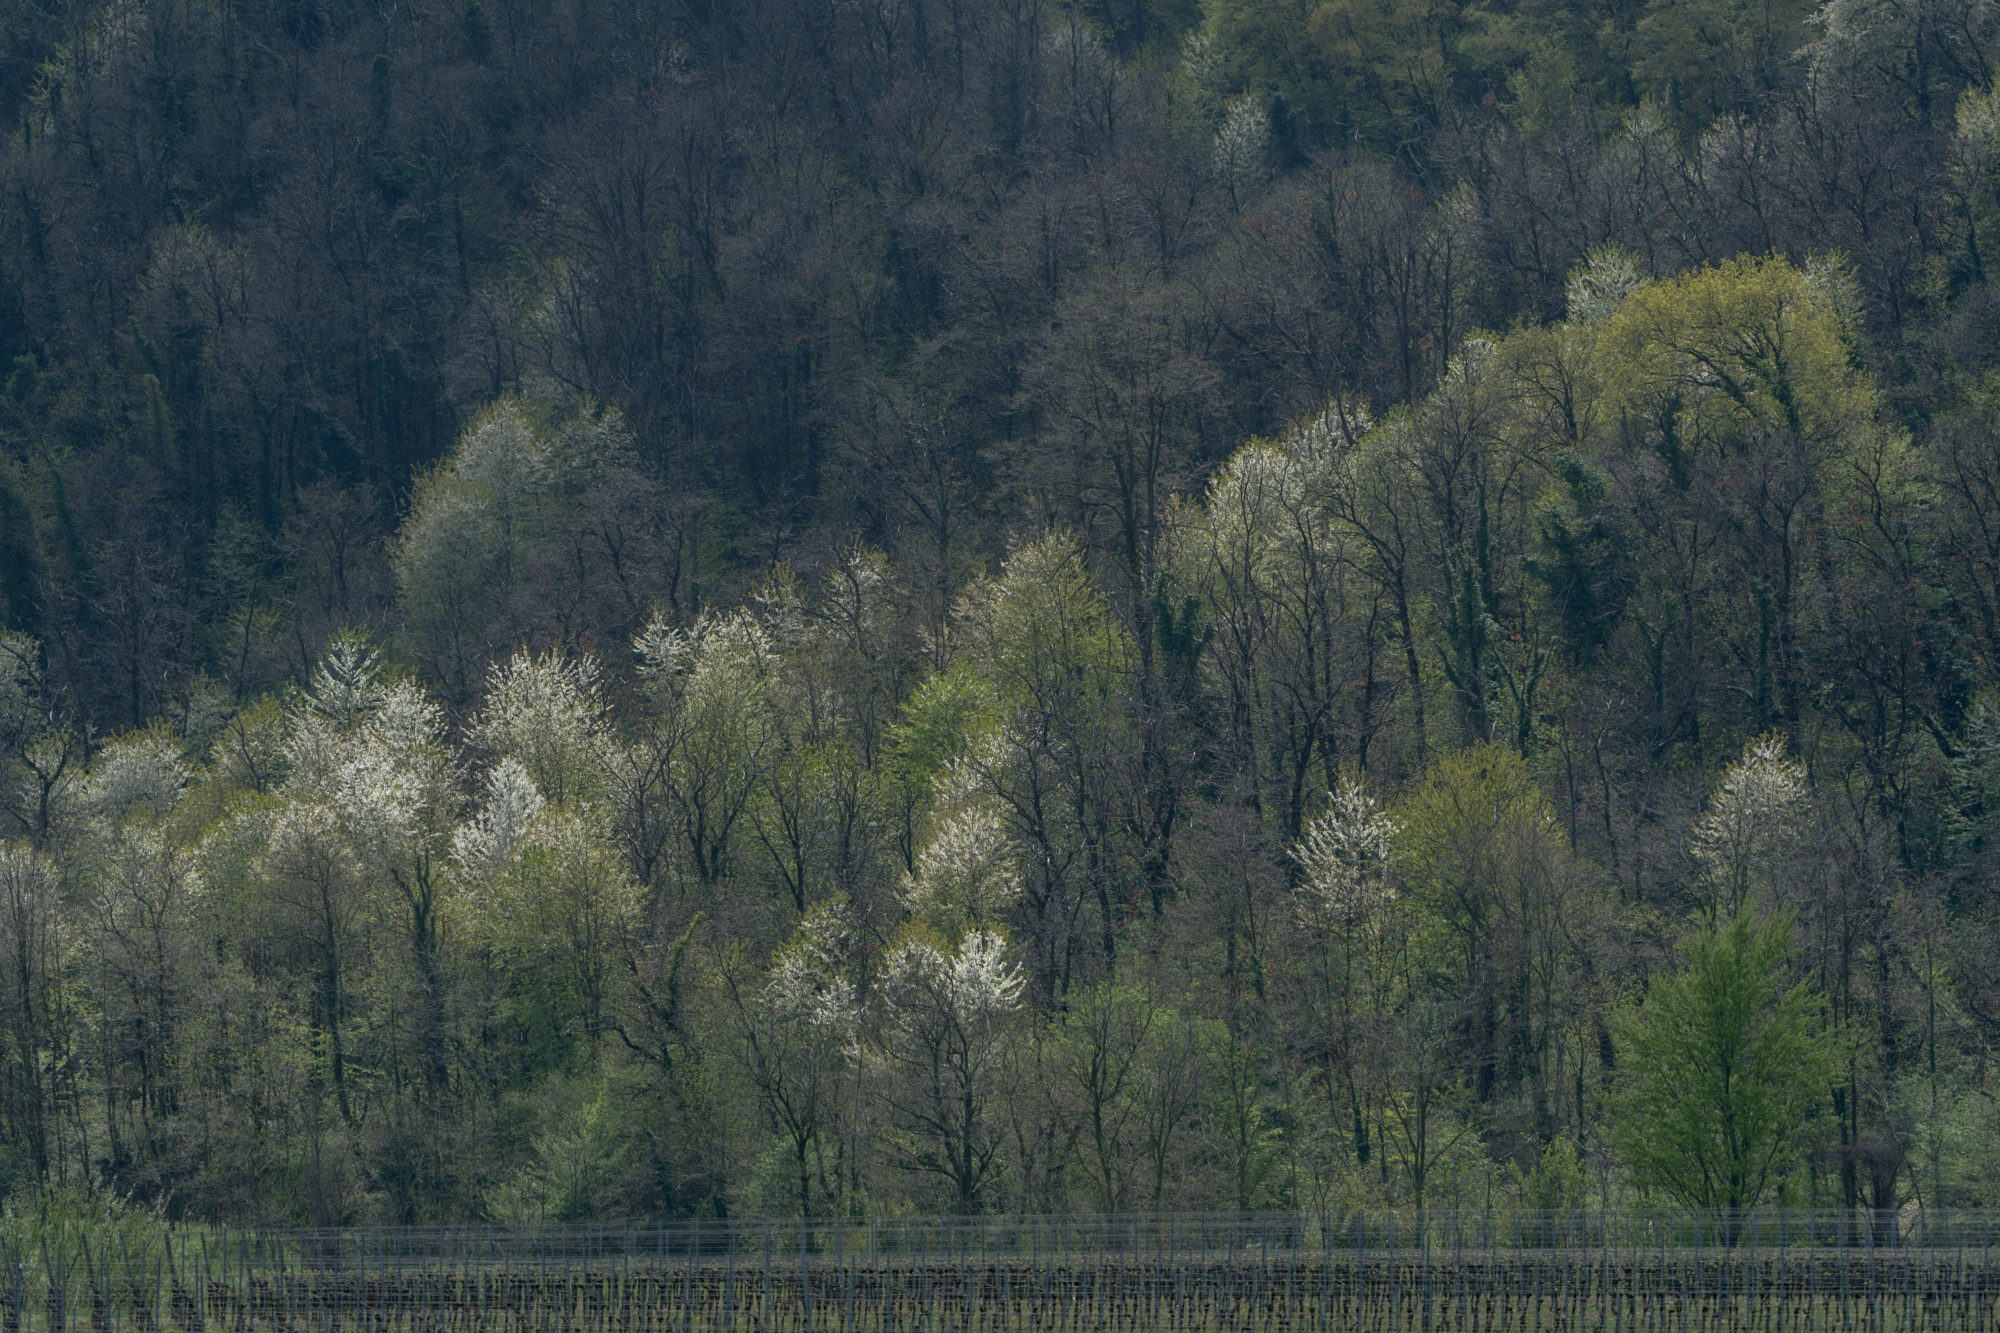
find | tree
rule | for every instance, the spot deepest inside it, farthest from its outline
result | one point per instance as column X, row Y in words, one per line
column 943, row 1030
column 526, row 531
column 967, row 875
column 40, row 753
column 1751, row 830
column 547, row 714
column 564, row 910
column 1480, row 850
column 35, row 997
column 799, row 1043
column 1725, row 1071
column 1287, row 629
column 1344, row 896
column 1062, row 669
column 1740, row 421
column 1096, row 1058
column 711, row 689
column 1715, row 56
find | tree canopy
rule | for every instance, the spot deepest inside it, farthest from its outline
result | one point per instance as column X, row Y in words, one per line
column 687, row 609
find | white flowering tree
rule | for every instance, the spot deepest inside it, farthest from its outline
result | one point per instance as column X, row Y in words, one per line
column 550, row 888
column 546, row 713
column 141, row 775
column 946, row 1021
column 968, row 872
column 1599, row 285
column 1343, row 895
column 1747, row 839
column 712, row 689
column 134, row 782
column 484, row 845
column 799, row 1034
column 1343, row 860
column 1273, row 569
column 1241, row 144
column 362, row 831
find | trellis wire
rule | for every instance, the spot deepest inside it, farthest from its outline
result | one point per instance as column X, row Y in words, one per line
column 1763, row 1272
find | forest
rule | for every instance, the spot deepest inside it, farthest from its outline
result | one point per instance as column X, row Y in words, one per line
column 745, row 608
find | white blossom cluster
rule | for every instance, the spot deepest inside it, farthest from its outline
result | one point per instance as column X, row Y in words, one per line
column 1830, row 276
column 146, row 872
column 1977, row 146
column 395, row 775
column 1267, row 507
column 974, row 986
column 1238, row 155
column 484, row 844
column 983, row 984
column 1600, row 284
column 1343, row 860
column 1753, row 821
column 716, row 651
column 968, row 871
column 809, row 982
column 347, row 683
column 1319, row 441
column 547, row 713
column 368, row 768
column 307, row 848
column 778, row 607
column 504, row 456
column 143, row 773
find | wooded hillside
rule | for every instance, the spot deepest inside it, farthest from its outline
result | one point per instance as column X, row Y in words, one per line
column 850, row 607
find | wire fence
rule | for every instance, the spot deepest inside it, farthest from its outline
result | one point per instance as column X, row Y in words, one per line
column 1766, row 1272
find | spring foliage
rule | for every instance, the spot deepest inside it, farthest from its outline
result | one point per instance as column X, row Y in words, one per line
column 1479, row 798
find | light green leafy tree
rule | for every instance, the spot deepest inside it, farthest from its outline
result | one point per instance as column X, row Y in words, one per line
column 713, row 691
column 1725, row 1069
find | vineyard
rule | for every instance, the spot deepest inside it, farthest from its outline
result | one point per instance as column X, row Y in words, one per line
column 1376, row 1273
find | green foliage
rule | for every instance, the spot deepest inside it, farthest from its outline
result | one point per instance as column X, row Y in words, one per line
column 1713, row 56
column 1475, row 823
column 1556, row 1183
column 944, row 717
column 1746, row 349
column 1726, row 1071
column 1584, row 563
column 602, row 603
column 570, row 1164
